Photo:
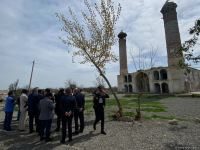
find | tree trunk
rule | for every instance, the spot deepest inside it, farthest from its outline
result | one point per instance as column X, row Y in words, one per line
column 109, row 85
column 114, row 94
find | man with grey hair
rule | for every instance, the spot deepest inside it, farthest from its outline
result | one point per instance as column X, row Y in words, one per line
column 46, row 108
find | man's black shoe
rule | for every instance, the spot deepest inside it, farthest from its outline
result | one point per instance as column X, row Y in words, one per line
column 62, row 142
column 42, row 138
column 94, row 126
column 103, row 132
column 70, row 140
column 75, row 133
column 80, row 131
column 57, row 129
column 48, row 139
column 31, row 131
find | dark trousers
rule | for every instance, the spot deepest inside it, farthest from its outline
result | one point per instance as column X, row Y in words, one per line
column 66, row 122
column 7, row 121
column 99, row 116
column 79, row 115
column 18, row 115
column 45, row 125
column 33, row 116
column 58, row 121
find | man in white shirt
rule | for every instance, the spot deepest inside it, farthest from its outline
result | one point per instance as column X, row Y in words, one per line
column 23, row 109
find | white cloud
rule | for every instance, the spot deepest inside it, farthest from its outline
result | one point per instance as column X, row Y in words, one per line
column 29, row 30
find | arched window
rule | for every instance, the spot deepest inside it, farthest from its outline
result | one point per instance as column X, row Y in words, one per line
column 129, row 78
column 125, row 79
column 163, row 74
column 156, row 75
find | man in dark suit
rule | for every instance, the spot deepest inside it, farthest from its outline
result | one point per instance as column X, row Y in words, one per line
column 33, row 110
column 58, row 112
column 79, row 111
column 99, row 102
column 68, row 103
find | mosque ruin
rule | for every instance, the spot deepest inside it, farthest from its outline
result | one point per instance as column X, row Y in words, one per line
column 169, row 79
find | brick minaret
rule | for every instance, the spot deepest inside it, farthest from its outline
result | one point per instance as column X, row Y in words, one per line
column 122, row 53
column 173, row 40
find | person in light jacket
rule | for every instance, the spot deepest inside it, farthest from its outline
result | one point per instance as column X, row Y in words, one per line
column 46, row 108
column 23, row 109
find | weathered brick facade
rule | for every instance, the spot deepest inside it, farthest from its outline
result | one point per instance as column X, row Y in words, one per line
column 172, row 35
column 160, row 79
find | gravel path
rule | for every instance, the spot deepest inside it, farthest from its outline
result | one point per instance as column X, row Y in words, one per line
column 146, row 135
column 186, row 107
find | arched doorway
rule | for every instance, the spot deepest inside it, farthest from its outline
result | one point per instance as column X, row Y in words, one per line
column 157, row 88
column 130, row 88
column 125, row 88
column 163, row 74
column 142, row 82
column 156, row 75
column 165, row 88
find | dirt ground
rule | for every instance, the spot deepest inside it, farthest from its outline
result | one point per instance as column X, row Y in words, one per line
column 145, row 135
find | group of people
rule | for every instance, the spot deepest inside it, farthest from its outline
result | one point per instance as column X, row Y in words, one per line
column 41, row 105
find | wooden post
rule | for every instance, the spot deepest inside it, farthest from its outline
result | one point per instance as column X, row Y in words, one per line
column 31, row 76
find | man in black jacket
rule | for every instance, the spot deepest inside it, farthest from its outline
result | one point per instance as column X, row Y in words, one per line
column 33, row 110
column 79, row 111
column 68, row 103
column 99, row 102
column 58, row 97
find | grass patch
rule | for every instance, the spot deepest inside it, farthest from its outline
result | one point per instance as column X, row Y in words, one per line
column 153, row 109
column 149, row 103
column 88, row 104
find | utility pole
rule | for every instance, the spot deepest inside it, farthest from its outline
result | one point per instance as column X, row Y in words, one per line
column 31, row 76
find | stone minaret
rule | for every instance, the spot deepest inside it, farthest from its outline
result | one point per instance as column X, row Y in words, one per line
column 122, row 53
column 173, row 40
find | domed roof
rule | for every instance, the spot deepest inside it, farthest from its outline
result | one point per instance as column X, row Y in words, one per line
column 122, row 35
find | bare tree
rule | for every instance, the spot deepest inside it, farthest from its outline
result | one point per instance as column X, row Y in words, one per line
column 13, row 86
column 93, row 36
column 144, row 60
column 71, row 84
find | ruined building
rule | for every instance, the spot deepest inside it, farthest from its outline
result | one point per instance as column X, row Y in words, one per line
column 169, row 79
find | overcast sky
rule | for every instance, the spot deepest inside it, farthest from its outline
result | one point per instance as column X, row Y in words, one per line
column 29, row 30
